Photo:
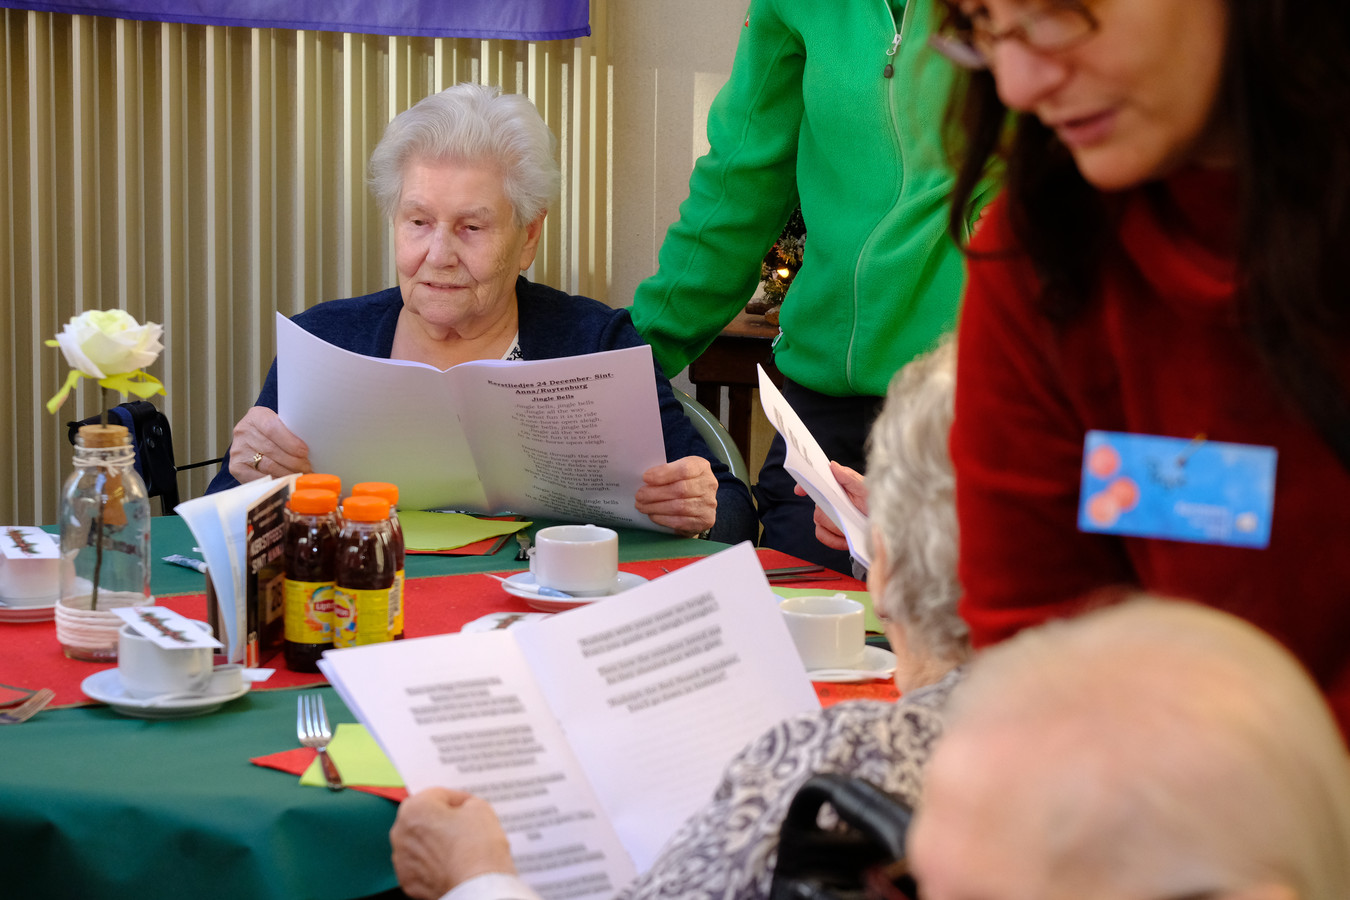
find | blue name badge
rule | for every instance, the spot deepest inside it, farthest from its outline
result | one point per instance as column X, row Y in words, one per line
column 1201, row 491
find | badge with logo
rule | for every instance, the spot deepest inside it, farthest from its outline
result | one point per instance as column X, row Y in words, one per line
column 1177, row 489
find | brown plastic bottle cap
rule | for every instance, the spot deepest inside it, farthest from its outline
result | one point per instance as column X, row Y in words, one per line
column 377, row 489
column 313, row 502
column 104, row 435
column 319, row 481
column 365, row 509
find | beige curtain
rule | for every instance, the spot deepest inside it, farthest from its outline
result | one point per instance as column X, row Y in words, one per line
column 206, row 178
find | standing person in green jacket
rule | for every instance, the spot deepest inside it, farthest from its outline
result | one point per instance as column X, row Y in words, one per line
column 837, row 106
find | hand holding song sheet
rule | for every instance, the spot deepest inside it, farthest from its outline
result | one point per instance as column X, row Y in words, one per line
column 807, row 463
column 594, row 733
column 567, row 438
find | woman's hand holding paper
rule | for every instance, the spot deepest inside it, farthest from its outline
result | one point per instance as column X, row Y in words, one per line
column 442, row 838
column 681, row 495
column 855, row 487
column 262, row 445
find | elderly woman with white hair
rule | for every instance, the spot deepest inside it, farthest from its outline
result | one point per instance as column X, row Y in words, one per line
column 445, row 840
column 466, row 177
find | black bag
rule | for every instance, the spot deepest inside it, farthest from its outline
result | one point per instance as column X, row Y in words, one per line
column 818, row 864
column 153, row 443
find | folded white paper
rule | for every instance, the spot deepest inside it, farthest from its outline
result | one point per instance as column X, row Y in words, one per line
column 565, row 438
column 807, row 463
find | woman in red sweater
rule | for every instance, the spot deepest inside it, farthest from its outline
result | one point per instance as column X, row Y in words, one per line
column 1161, row 273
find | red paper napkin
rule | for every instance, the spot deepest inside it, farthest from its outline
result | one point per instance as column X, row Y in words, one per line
column 297, row 761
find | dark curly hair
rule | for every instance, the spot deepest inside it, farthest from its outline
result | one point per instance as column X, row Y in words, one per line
column 1285, row 95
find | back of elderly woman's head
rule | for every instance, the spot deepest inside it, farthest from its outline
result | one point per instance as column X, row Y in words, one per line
column 473, row 124
column 911, row 504
column 1154, row 749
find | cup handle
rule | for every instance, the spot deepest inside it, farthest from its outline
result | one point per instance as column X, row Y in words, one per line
column 530, row 554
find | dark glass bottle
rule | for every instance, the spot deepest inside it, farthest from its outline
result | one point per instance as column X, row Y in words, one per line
column 365, row 573
column 397, row 604
column 311, row 577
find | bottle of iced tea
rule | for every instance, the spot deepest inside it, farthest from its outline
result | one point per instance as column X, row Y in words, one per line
column 397, row 604
column 365, row 573
column 310, row 560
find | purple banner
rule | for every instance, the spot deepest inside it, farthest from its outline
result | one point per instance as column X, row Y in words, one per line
column 525, row 20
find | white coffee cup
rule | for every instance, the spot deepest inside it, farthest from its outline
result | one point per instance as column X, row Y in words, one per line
column 148, row 670
column 827, row 629
column 582, row 560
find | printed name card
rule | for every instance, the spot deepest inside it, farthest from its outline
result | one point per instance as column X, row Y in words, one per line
column 1195, row 490
column 28, row 542
column 166, row 628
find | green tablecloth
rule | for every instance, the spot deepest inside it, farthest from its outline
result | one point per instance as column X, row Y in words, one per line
column 96, row 805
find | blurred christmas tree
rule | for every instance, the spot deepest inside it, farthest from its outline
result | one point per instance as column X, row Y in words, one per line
column 779, row 267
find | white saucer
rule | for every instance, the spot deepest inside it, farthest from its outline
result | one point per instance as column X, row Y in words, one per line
column 40, row 613
column 512, row 585
column 106, row 687
column 877, row 662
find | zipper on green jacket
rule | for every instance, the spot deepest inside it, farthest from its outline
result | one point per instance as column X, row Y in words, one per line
column 887, row 72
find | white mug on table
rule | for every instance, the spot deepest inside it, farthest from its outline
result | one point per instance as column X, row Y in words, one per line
column 828, row 630
column 148, row 670
column 582, row 560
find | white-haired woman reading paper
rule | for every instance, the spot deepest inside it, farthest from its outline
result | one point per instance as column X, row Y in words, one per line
column 466, row 177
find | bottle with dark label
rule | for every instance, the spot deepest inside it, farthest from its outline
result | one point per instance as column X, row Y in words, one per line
column 365, row 573
column 311, row 577
column 389, row 492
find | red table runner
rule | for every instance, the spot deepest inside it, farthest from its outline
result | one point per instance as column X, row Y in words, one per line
column 30, row 656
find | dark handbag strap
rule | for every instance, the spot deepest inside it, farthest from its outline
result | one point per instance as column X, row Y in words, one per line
column 818, row 864
column 153, row 443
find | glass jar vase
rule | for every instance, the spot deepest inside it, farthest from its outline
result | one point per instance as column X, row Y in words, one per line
column 105, row 543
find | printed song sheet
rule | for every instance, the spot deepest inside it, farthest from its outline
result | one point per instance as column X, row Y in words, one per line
column 567, row 438
column 807, row 463
column 595, row 733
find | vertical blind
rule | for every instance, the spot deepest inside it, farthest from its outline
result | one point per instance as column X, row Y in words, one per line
column 206, row 178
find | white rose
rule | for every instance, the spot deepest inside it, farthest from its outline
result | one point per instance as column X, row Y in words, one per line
column 100, row 343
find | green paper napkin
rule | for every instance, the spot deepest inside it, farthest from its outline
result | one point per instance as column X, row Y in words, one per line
column 432, row 531
column 870, row 620
column 358, row 758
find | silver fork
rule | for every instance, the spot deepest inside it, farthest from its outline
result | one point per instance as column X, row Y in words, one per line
column 28, row 708
column 311, row 727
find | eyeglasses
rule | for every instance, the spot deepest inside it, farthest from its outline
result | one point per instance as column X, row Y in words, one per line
column 968, row 40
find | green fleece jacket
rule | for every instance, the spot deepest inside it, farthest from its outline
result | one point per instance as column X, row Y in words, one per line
column 809, row 115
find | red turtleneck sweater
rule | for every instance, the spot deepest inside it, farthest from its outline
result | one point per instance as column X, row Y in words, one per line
column 1158, row 351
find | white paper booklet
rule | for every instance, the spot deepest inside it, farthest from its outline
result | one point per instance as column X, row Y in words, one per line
column 219, row 523
column 594, row 733
column 566, row 438
column 807, row 463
